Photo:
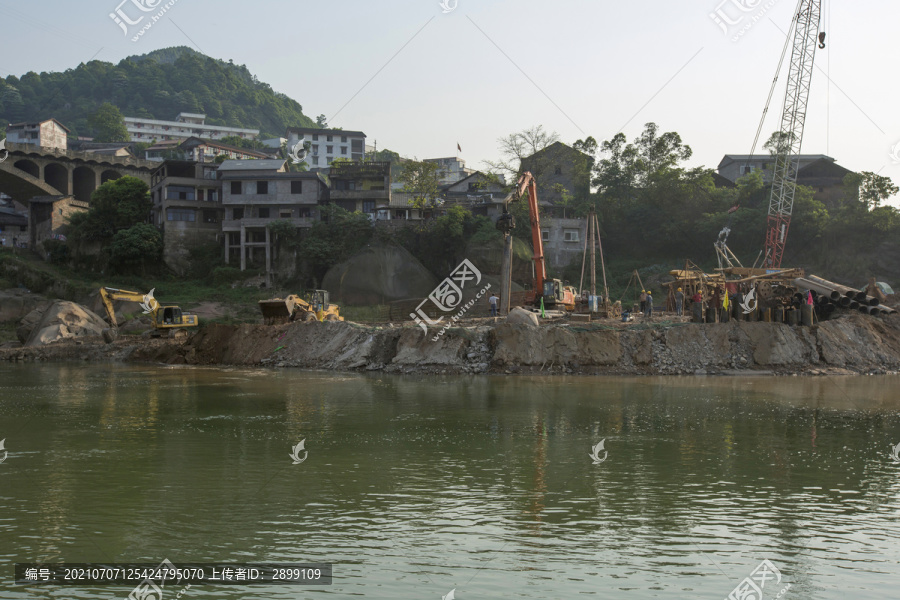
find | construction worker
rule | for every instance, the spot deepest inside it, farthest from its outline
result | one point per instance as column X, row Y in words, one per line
column 493, row 302
column 697, row 306
column 679, row 302
column 643, row 298
column 649, row 312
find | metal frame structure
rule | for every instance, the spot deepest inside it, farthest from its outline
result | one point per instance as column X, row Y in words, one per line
column 796, row 98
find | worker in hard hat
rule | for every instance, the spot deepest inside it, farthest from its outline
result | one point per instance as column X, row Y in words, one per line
column 643, row 301
column 679, row 302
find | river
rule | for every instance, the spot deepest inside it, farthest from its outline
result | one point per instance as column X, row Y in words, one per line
column 415, row 486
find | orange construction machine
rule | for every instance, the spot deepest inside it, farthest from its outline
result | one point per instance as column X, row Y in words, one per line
column 552, row 291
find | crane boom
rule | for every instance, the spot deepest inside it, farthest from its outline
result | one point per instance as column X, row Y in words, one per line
column 787, row 158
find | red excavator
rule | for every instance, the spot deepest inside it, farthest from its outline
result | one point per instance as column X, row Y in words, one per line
column 551, row 291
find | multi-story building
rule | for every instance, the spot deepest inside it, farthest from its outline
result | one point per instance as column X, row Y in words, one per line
column 735, row 166
column 187, row 207
column 479, row 193
column 326, row 145
column 48, row 218
column 452, row 169
column 363, row 186
column 46, row 134
column 560, row 171
column 184, row 126
column 255, row 193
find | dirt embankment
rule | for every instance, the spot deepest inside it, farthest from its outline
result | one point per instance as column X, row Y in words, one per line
column 852, row 344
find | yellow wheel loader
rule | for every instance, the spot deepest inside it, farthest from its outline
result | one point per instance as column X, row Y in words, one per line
column 295, row 308
column 167, row 318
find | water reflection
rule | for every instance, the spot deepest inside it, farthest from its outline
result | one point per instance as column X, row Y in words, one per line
column 414, row 486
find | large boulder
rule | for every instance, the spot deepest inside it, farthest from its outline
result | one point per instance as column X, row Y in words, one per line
column 377, row 275
column 62, row 320
column 521, row 316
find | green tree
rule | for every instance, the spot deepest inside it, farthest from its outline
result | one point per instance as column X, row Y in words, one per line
column 116, row 205
column 136, row 248
column 421, row 180
column 108, row 124
column 332, row 241
column 321, row 121
column 869, row 189
column 239, row 142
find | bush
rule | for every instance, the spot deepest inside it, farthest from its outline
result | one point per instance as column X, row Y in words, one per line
column 57, row 251
column 226, row 275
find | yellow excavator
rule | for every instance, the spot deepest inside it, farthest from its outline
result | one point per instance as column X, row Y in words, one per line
column 165, row 317
column 295, row 308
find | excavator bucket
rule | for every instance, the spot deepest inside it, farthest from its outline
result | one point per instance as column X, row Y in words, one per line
column 277, row 308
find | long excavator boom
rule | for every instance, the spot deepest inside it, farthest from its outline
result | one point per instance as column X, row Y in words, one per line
column 109, row 294
column 527, row 184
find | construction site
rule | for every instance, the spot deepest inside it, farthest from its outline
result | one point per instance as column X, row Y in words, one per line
column 510, row 315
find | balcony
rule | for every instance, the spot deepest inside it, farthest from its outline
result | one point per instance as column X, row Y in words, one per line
column 360, row 194
column 235, row 225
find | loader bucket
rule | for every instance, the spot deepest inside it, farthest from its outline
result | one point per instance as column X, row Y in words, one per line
column 276, row 308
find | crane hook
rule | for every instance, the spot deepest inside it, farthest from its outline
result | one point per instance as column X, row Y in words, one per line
column 822, row 39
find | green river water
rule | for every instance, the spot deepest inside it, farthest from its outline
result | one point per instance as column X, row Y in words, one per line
column 413, row 487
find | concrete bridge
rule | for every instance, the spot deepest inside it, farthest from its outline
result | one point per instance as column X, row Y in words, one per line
column 31, row 171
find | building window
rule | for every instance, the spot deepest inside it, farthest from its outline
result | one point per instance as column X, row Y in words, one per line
column 315, row 137
column 284, row 214
column 200, row 195
column 399, row 214
column 315, row 149
column 329, row 160
column 237, row 214
column 329, row 149
column 180, row 214
column 213, row 196
column 236, row 187
column 210, row 216
column 305, row 213
column 368, row 206
column 329, row 138
column 263, row 212
column 821, row 190
column 545, row 235
column 315, row 160
column 262, row 187
column 746, row 169
column 296, row 187
column 344, row 150
column 570, row 235
column 179, row 192
column 344, row 139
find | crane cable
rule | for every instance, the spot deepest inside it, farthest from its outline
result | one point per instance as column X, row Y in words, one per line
column 762, row 120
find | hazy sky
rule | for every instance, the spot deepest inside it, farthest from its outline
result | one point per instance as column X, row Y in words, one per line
column 420, row 80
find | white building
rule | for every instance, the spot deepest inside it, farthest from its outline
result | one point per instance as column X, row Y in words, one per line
column 46, row 134
column 452, row 169
column 184, row 126
column 325, row 145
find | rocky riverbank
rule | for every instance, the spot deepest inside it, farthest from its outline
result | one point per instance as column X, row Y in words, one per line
column 849, row 344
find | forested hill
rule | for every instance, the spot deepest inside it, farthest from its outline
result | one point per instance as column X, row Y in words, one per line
column 157, row 85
